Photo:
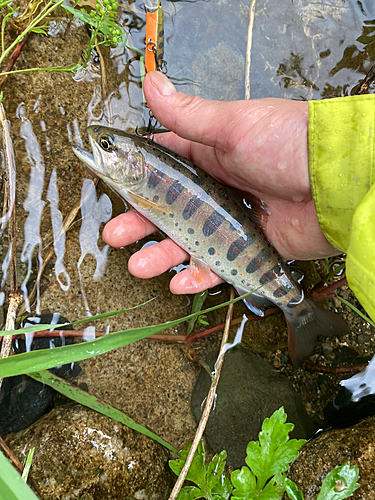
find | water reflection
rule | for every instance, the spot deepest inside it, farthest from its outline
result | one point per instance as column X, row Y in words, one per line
column 32, row 204
column 93, row 214
column 58, row 233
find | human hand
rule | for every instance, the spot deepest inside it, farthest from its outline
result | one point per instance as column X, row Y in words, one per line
column 259, row 146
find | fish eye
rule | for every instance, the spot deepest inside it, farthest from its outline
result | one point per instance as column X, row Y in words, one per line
column 107, row 142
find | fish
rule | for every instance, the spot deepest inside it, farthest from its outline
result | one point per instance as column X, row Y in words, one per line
column 196, row 212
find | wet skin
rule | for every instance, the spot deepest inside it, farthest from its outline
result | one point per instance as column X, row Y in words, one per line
column 259, row 146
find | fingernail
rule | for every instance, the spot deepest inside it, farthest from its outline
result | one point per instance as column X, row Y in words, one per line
column 162, row 83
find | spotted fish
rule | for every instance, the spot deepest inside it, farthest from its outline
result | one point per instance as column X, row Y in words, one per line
column 194, row 210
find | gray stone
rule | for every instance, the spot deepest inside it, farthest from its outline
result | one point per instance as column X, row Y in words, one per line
column 249, row 390
column 82, row 454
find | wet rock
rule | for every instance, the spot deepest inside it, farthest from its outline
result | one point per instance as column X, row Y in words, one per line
column 342, row 412
column 249, row 390
column 22, row 399
column 335, row 447
column 82, row 454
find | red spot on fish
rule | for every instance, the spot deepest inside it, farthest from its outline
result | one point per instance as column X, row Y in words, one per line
column 203, row 241
column 260, row 261
column 239, row 267
column 284, row 301
column 241, row 274
column 272, row 275
column 294, row 294
column 217, row 254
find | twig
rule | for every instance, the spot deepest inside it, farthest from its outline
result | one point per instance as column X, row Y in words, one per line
column 334, row 369
column 367, row 81
column 248, row 48
column 15, row 297
column 207, row 407
column 167, row 337
column 9, row 453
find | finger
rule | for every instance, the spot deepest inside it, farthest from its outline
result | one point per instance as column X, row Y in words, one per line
column 156, row 259
column 193, row 118
column 127, row 228
column 181, row 283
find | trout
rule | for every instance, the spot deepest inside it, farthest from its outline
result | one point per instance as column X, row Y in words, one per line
column 195, row 211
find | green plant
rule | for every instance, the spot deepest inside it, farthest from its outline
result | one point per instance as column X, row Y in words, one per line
column 104, row 29
column 267, row 460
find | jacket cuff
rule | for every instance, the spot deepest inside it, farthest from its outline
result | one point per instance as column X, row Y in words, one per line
column 341, row 161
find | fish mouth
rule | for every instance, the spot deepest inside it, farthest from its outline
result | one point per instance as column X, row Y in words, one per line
column 87, row 159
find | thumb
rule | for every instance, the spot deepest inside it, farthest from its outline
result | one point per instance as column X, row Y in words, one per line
column 192, row 118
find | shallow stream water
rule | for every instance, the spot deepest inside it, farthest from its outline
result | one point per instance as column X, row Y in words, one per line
column 301, row 50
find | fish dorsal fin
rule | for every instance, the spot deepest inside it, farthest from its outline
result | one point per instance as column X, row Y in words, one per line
column 199, row 271
column 144, row 202
column 252, row 206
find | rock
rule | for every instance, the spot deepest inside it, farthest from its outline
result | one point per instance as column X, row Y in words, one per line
column 82, row 454
column 249, row 390
column 335, row 447
column 22, row 399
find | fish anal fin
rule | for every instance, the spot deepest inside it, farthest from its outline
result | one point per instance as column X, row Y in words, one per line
column 303, row 330
column 255, row 302
column 199, row 271
column 144, row 202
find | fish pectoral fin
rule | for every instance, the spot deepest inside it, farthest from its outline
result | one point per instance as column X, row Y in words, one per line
column 199, row 271
column 144, row 202
column 255, row 302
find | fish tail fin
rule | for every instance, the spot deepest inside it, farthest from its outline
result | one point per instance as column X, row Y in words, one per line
column 304, row 329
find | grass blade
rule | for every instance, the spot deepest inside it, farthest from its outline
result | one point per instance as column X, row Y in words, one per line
column 353, row 308
column 29, row 362
column 40, row 328
column 73, row 392
column 28, row 463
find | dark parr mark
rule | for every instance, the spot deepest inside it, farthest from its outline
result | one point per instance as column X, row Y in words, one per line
column 154, row 179
column 191, row 207
column 258, row 261
column 269, row 275
column 217, row 263
column 155, row 198
column 191, row 230
column 212, row 223
column 240, row 245
column 211, row 251
column 233, row 272
column 281, row 291
column 173, row 192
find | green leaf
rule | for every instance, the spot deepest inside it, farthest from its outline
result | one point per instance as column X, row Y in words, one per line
column 84, row 398
column 293, row 492
column 215, row 469
column 273, row 453
column 223, row 488
column 189, row 493
column 244, row 483
column 210, row 479
column 198, row 302
column 340, row 483
column 12, row 486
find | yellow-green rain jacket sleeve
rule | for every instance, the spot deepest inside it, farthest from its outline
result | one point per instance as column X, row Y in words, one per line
column 342, row 176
